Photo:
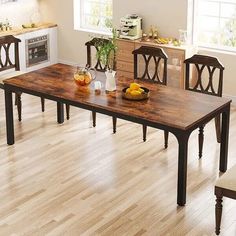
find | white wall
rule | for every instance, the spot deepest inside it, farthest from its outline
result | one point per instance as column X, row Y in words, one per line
column 169, row 16
column 19, row 12
column 71, row 42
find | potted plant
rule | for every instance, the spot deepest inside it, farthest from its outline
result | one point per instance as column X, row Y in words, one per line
column 106, row 54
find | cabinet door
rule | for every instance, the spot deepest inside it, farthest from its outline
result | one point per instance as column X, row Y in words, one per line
column 125, row 66
column 124, row 52
column 125, row 58
column 129, row 75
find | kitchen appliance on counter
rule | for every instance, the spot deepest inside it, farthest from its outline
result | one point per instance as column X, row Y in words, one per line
column 131, row 27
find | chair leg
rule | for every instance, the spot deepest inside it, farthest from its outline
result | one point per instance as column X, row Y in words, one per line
column 67, row 111
column 19, row 105
column 42, row 104
column 166, row 137
column 200, row 140
column 16, row 102
column 218, row 129
column 114, row 121
column 94, row 118
column 144, row 133
column 218, row 213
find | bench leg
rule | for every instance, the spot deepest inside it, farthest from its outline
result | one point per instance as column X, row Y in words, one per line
column 218, row 213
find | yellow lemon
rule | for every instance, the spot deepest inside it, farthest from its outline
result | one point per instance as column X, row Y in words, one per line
column 87, row 79
column 134, row 86
column 128, row 90
column 141, row 90
column 135, row 93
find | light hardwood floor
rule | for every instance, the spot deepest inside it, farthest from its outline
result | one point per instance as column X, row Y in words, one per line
column 73, row 179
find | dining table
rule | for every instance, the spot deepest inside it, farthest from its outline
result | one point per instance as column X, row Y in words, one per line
column 171, row 109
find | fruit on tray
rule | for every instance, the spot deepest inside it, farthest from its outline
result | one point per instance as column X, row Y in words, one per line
column 163, row 40
column 135, row 92
column 134, row 89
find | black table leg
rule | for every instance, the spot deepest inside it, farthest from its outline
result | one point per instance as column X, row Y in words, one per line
column 9, row 117
column 60, row 113
column 182, row 168
column 224, row 139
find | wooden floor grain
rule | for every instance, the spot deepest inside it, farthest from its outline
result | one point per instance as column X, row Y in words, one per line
column 73, row 179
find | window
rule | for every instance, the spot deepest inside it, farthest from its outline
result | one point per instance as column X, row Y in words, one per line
column 214, row 24
column 93, row 15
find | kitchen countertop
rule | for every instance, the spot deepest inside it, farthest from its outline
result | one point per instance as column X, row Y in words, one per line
column 152, row 42
column 18, row 31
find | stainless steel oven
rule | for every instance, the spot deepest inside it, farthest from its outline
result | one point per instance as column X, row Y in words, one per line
column 37, row 50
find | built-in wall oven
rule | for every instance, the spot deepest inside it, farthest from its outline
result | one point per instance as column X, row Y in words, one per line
column 37, row 50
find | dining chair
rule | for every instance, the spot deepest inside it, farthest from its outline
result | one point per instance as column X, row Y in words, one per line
column 10, row 66
column 209, row 80
column 99, row 66
column 225, row 187
column 150, row 63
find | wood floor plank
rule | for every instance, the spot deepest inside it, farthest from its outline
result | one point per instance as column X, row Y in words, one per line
column 73, row 179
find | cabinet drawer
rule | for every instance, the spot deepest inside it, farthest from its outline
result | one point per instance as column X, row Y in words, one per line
column 125, row 74
column 125, row 66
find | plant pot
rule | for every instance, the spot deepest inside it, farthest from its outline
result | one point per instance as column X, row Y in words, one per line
column 110, row 81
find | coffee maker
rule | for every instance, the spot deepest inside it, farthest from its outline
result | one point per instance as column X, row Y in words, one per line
column 131, row 27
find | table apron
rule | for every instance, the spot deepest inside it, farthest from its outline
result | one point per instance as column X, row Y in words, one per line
column 176, row 131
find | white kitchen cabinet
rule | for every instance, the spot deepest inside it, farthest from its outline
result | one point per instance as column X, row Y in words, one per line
column 51, row 32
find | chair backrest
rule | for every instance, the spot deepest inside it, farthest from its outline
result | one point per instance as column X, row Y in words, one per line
column 6, row 62
column 95, row 42
column 205, row 81
column 157, row 55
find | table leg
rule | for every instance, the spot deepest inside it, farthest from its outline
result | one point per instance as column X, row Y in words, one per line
column 182, row 168
column 60, row 113
column 224, row 139
column 9, row 117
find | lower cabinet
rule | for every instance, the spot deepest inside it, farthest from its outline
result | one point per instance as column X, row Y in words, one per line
column 176, row 57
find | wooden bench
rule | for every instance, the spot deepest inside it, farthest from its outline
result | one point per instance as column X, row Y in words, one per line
column 225, row 187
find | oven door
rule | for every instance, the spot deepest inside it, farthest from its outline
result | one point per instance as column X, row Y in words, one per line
column 37, row 50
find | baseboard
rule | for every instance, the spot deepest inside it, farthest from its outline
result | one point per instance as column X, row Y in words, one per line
column 233, row 98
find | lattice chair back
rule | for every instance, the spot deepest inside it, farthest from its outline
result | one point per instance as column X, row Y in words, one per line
column 6, row 62
column 209, row 75
column 154, row 64
column 99, row 66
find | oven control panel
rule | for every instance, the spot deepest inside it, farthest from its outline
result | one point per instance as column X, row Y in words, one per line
column 37, row 39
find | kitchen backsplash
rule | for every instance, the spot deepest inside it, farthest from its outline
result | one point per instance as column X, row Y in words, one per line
column 20, row 12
